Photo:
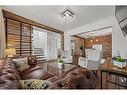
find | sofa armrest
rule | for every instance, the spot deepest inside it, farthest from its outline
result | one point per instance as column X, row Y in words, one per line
column 35, row 72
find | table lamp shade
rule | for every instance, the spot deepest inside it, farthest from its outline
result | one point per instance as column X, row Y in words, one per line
column 10, row 52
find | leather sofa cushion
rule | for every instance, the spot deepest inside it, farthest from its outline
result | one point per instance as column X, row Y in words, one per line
column 6, row 62
column 35, row 72
column 8, row 67
column 9, row 75
column 53, row 79
column 8, row 84
column 71, row 81
column 10, row 71
column 76, row 81
column 9, row 80
column 79, row 78
column 91, row 76
column 56, row 85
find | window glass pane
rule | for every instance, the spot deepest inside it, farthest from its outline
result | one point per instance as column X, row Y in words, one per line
column 45, row 44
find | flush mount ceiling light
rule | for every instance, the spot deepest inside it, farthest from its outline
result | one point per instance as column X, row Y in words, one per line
column 67, row 14
column 92, row 32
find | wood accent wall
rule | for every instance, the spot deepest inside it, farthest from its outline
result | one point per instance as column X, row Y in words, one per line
column 16, row 26
column 18, row 36
column 62, row 41
column 78, row 42
column 106, row 42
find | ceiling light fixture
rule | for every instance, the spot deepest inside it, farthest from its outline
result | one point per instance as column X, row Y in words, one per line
column 91, row 32
column 96, row 40
column 91, row 41
column 67, row 14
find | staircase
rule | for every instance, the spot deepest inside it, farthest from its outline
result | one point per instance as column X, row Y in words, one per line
column 39, row 54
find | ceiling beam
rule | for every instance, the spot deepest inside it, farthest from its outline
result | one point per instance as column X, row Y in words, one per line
column 94, row 30
column 77, row 36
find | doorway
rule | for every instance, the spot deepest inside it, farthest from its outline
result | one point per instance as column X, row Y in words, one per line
column 99, row 39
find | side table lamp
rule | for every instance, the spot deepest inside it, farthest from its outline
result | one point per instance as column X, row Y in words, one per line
column 10, row 52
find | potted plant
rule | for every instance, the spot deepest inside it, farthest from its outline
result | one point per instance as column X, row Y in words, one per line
column 81, row 47
column 60, row 63
column 119, row 62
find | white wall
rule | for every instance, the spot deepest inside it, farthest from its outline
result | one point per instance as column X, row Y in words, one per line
column 52, row 46
column 2, row 35
column 118, row 40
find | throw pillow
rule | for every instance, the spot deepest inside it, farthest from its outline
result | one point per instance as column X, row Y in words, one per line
column 21, row 63
column 34, row 84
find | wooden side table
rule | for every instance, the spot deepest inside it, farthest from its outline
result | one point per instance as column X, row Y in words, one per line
column 110, row 69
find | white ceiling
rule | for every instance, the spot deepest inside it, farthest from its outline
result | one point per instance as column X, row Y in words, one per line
column 50, row 15
column 99, row 32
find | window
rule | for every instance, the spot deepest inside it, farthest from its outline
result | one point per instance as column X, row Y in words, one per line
column 45, row 43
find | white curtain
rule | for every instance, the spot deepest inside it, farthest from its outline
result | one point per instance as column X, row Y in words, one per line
column 2, row 35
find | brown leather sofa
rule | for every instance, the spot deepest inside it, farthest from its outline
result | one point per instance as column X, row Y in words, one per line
column 78, row 78
column 10, row 76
